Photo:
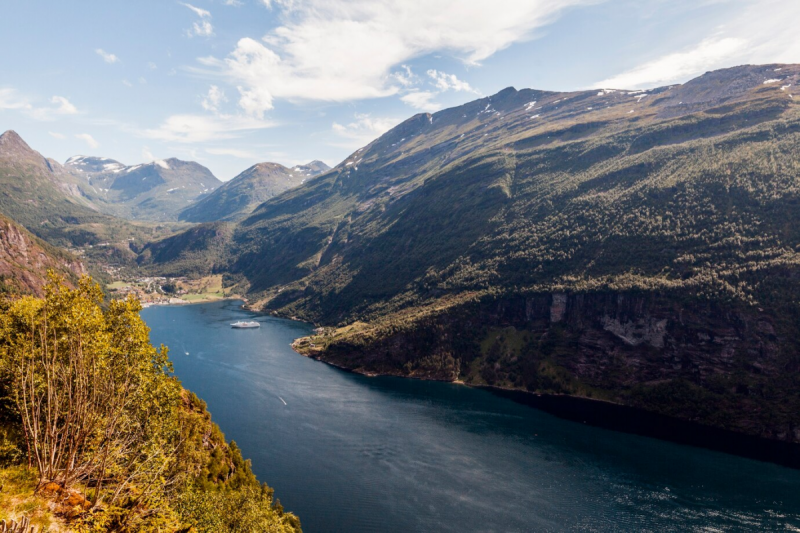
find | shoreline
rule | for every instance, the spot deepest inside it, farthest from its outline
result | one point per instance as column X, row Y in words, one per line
column 627, row 419
column 145, row 305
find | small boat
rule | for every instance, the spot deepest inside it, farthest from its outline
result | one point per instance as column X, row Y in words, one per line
column 245, row 324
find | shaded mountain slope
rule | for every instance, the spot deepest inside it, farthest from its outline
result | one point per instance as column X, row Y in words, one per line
column 525, row 188
column 636, row 246
column 237, row 198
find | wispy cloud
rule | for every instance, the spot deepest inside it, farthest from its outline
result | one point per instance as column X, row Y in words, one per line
column 57, row 135
column 203, row 27
column 232, row 152
column 363, row 129
column 422, row 100
column 200, row 12
column 107, row 56
column 10, row 99
column 214, row 98
column 678, row 66
column 447, row 82
column 339, row 50
column 203, row 128
column 88, row 139
column 65, row 107
column 765, row 31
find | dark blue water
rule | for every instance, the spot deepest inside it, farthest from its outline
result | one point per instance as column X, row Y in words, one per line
column 350, row 453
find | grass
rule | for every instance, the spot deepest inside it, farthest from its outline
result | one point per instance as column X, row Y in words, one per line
column 17, row 499
column 205, row 288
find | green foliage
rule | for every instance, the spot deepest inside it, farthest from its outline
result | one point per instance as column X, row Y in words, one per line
column 652, row 197
column 250, row 509
column 106, row 425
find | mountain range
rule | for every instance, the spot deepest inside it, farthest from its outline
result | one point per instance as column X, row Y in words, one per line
column 639, row 246
column 237, row 198
column 636, row 246
column 155, row 191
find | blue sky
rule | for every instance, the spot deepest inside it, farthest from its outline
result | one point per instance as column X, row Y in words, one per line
column 230, row 83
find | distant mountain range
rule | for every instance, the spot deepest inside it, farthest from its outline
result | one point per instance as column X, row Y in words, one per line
column 110, row 210
column 48, row 200
column 238, row 197
column 155, row 191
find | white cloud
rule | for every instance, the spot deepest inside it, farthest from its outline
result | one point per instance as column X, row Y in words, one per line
column 57, row 135
column 421, row 100
column 765, row 31
column 89, row 139
column 213, row 99
column 678, row 66
column 235, row 3
column 107, row 57
column 147, row 155
column 363, row 129
column 203, row 27
column 233, row 152
column 405, row 76
column 341, row 50
column 65, row 107
column 152, row 66
column 127, row 83
column 200, row 12
column 10, row 99
column 445, row 82
column 202, row 128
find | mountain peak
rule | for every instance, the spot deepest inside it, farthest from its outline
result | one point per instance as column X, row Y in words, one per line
column 13, row 148
column 11, row 139
column 317, row 165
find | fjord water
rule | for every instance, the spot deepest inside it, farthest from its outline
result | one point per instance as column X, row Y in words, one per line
column 350, row 453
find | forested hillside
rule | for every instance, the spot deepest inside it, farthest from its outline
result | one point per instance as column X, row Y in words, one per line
column 610, row 229
column 96, row 434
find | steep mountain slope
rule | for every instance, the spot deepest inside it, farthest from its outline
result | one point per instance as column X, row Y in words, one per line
column 49, row 201
column 39, row 193
column 25, row 260
column 637, row 246
column 155, row 191
column 237, row 198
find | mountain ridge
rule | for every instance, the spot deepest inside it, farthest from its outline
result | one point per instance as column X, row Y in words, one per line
column 237, row 198
column 155, row 191
column 497, row 242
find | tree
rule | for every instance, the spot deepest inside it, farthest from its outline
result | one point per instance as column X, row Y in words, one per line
column 98, row 403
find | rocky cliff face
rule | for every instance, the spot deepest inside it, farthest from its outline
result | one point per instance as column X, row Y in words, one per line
column 24, row 260
column 726, row 366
